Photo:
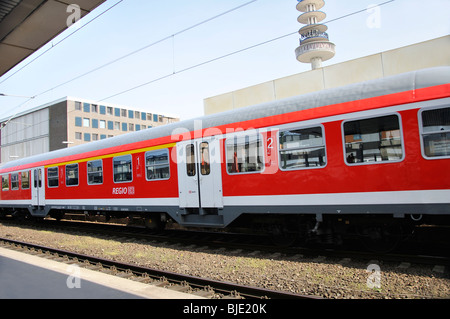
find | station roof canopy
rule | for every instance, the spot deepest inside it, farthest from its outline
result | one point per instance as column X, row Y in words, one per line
column 27, row 25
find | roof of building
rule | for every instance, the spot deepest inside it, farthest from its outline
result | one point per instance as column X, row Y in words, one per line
column 27, row 25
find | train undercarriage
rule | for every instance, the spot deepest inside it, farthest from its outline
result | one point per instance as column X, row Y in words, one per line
column 380, row 233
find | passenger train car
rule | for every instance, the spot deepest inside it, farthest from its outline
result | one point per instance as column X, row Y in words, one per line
column 355, row 159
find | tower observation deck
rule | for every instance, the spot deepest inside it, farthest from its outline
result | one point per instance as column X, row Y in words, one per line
column 315, row 46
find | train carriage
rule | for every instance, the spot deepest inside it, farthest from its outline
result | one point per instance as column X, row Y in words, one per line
column 378, row 150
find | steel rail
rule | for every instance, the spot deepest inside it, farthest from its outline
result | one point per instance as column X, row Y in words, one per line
column 226, row 288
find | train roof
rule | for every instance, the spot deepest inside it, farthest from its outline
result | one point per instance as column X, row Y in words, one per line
column 389, row 85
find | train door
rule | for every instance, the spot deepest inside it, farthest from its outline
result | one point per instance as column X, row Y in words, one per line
column 38, row 187
column 199, row 174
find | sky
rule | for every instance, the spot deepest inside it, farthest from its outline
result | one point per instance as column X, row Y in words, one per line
column 196, row 63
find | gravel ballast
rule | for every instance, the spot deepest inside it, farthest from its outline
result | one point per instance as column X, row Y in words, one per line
column 322, row 277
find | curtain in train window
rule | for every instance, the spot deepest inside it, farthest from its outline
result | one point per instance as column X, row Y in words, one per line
column 123, row 169
column 245, row 154
column 302, row 148
column 72, row 175
column 436, row 132
column 157, row 165
column 95, row 172
column 373, row 140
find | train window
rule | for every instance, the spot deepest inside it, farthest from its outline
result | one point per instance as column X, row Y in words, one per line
column 37, row 178
column 205, row 164
column 190, row 160
column 15, row 181
column 373, row 140
column 123, row 171
column 436, row 132
column 52, row 177
column 95, row 172
column 25, row 180
column 245, row 154
column 302, row 148
column 157, row 165
column 5, row 182
column 72, row 175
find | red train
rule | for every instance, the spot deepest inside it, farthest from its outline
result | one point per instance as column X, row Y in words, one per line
column 364, row 159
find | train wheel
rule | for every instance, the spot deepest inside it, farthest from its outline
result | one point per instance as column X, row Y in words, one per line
column 21, row 215
column 154, row 223
column 381, row 237
column 282, row 236
column 57, row 215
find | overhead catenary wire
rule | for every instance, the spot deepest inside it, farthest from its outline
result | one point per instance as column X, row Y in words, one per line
column 57, row 43
column 228, row 55
column 18, row 108
column 172, row 36
column 197, row 65
column 175, row 72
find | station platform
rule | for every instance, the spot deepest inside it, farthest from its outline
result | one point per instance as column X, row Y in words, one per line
column 24, row 276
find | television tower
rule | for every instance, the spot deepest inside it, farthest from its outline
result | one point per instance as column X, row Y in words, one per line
column 314, row 44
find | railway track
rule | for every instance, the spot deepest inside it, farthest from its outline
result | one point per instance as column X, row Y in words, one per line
column 197, row 286
column 235, row 249
column 249, row 243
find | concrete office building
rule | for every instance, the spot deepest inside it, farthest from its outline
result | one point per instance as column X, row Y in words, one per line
column 418, row 56
column 68, row 122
